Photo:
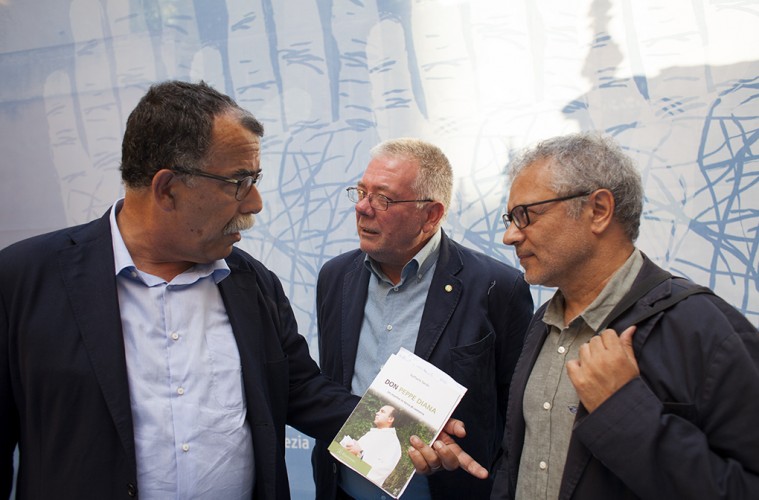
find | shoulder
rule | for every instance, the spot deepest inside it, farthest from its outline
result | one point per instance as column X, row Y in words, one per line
column 476, row 262
column 342, row 263
column 700, row 324
column 44, row 247
column 706, row 312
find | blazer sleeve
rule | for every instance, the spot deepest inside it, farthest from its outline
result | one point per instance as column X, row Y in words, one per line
column 687, row 427
column 8, row 412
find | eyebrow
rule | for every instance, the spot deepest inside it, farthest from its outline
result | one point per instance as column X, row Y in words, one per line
column 381, row 190
column 244, row 172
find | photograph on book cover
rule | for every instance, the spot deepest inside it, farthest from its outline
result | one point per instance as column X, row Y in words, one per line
column 374, row 438
column 409, row 396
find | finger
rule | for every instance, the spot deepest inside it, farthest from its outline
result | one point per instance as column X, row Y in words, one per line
column 452, row 457
column 609, row 338
column 574, row 371
column 396, row 108
column 584, row 352
column 626, row 340
column 69, row 157
column 454, row 427
column 424, row 458
column 96, row 79
column 257, row 86
column 627, row 336
column 301, row 62
column 354, row 90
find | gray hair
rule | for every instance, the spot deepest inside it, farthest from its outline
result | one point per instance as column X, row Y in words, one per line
column 586, row 162
column 435, row 177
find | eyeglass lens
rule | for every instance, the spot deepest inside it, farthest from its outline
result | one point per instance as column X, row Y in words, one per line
column 376, row 201
column 246, row 184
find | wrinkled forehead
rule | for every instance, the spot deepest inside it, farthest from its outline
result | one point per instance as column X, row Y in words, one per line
column 532, row 183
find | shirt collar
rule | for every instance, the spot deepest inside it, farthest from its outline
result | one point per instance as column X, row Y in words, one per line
column 593, row 315
column 123, row 262
column 419, row 263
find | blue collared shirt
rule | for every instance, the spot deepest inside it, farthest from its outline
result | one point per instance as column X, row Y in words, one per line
column 392, row 316
column 191, row 436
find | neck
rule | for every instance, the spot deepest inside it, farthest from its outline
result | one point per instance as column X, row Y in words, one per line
column 144, row 243
column 591, row 279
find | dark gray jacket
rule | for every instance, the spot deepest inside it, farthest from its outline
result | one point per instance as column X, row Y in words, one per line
column 686, row 428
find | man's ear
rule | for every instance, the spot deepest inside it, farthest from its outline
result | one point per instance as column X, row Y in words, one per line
column 435, row 212
column 162, row 188
column 601, row 203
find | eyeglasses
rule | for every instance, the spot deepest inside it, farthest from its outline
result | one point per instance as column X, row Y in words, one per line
column 243, row 186
column 377, row 201
column 520, row 216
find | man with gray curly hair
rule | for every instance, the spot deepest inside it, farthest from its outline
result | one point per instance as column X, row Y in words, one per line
column 666, row 408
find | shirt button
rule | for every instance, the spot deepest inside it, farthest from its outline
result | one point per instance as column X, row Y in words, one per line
column 389, row 327
column 562, row 349
column 180, row 391
column 174, row 336
column 543, row 465
column 546, row 405
column 186, row 447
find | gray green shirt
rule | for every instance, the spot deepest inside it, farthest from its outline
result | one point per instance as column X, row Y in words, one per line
column 550, row 400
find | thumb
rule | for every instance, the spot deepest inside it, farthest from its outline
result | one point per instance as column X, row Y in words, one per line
column 626, row 339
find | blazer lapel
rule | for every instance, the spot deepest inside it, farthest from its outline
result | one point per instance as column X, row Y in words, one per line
column 353, row 301
column 241, row 302
column 442, row 298
column 88, row 274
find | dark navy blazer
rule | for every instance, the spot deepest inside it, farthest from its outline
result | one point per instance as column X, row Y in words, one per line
column 474, row 332
column 686, row 428
column 64, row 393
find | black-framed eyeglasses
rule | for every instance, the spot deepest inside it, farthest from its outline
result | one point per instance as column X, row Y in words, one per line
column 377, row 201
column 520, row 216
column 243, row 186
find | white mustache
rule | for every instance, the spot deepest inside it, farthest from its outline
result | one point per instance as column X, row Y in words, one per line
column 239, row 224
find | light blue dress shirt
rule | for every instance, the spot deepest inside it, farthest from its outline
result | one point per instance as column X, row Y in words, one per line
column 392, row 316
column 192, row 440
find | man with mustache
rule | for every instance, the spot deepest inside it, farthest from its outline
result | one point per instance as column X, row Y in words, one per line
column 142, row 354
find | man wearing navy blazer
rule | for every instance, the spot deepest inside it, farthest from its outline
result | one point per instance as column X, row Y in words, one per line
column 141, row 354
column 409, row 285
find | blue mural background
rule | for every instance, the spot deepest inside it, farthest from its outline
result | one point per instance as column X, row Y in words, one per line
column 676, row 81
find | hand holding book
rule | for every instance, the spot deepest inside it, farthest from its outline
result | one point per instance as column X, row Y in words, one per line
column 444, row 453
column 410, row 401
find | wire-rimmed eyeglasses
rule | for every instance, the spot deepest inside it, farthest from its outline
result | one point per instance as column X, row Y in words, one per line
column 377, row 201
column 520, row 216
column 243, row 186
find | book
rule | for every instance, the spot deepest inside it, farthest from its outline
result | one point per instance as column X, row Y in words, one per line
column 409, row 396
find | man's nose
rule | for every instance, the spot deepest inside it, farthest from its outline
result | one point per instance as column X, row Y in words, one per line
column 364, row 207
column 252, row 203
column 513, row 235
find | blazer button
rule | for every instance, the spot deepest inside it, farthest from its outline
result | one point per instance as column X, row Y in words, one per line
column 131, row 490
column 334, row 468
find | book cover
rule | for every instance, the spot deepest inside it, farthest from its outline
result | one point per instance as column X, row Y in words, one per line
column 409, row 396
